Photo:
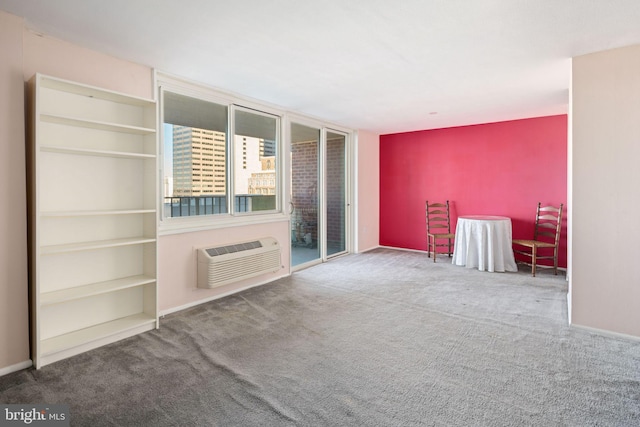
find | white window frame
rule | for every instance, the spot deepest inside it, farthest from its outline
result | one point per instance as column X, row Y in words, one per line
column 175, row 225
column 278, row 161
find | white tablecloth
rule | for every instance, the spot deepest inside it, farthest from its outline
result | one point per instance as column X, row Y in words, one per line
column 484, row 242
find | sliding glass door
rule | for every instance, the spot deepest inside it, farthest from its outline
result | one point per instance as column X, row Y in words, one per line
column 305, row 201
column 318, row 198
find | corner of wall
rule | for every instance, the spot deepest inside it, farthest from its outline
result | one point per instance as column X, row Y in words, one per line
column 368, row 190
column 14, row 306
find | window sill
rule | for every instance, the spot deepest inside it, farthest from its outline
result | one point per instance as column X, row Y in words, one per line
column 170, row 226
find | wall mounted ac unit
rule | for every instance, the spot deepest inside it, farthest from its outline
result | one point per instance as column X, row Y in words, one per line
column 221, row 265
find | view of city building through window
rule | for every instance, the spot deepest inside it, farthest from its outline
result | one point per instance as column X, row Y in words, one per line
column 199, row 162
column 197, row 168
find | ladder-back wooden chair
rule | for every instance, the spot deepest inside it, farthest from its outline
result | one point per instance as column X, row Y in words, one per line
column 546, row 236
column 438, row 228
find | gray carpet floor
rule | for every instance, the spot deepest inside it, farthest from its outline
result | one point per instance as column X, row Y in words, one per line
column 384, row 338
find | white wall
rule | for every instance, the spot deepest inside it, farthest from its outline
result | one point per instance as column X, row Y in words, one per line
column 177, row 263
column 368, row 196
column 605, row 192
column 14, row 313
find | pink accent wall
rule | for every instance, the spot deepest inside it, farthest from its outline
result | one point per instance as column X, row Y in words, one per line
column 503, row 168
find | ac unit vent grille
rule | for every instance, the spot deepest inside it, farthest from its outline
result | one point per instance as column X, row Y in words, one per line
column 238, row 247
column 221, row 265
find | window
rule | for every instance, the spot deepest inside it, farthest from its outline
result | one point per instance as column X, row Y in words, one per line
column 208, row 165
column 188, row 123
column 253, row 131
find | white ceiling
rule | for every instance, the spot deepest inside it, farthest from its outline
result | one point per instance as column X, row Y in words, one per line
column 379, row 65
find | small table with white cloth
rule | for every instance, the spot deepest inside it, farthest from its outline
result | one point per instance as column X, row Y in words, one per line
column 484, row 242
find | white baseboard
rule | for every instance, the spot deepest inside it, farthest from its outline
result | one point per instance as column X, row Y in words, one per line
column 423, row 251
column 606, row 333
column 218, row 296
column 407, row 249
column 15, row 368
column 369, row 249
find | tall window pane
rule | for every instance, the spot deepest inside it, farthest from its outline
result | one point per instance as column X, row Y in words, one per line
column 336, row 193
column 304, row 175
column 255, row 161
column 195, row 156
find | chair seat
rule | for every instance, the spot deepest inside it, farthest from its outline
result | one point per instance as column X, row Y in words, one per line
column 443, row 235
column 532, row 243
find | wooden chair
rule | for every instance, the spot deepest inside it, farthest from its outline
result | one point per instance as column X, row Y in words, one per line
column 546, row 236
column 438, row 227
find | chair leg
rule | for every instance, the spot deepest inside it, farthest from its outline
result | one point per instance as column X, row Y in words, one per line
column 433, row 243
column 533, row 261
column 428, row 247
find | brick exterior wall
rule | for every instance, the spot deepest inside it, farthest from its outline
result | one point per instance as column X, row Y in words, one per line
column 336, row 192
column 304, row 191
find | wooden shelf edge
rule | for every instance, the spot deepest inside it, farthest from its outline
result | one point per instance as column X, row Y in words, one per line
column 85, row 291
column 63, row 85
column 100, row 244
column 52, row 214
column 95, row 124
column 72, row 343
column 97, row 153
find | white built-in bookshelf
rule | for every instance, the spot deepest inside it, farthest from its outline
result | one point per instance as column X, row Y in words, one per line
column 93, row 209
